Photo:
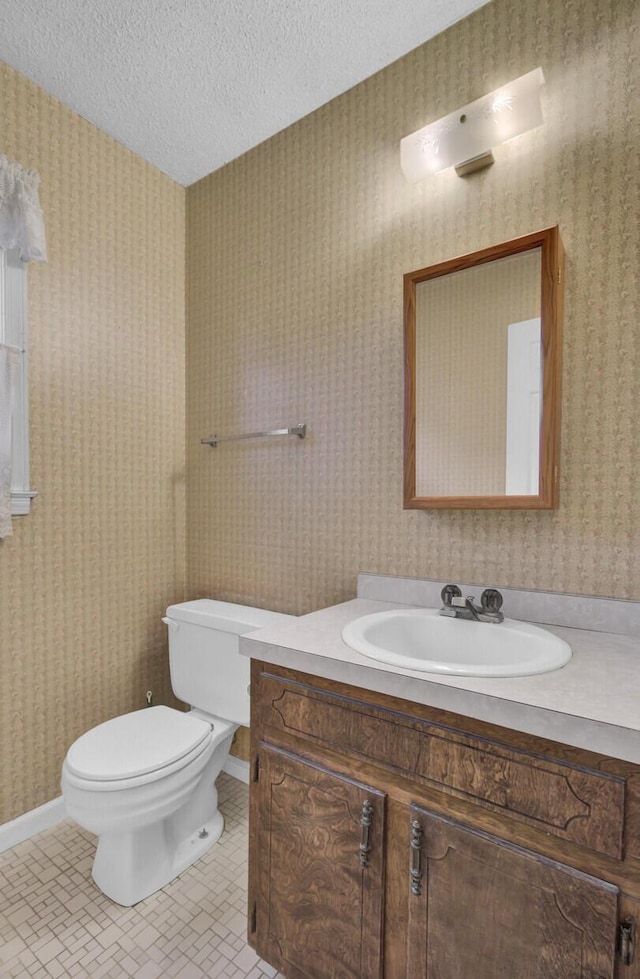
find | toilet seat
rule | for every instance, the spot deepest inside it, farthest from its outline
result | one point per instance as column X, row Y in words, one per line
column 137, row 747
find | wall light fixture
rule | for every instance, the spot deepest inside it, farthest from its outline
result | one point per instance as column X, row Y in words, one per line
column 464, row 138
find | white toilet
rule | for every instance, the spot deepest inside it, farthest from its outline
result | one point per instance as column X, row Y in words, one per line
column 144, row 782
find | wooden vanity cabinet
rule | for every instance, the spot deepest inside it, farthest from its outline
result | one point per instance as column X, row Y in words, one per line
column 482, row 907
column 390, row 839
column 319, row 880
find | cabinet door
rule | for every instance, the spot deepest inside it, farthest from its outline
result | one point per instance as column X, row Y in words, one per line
column 317, row 879
column 480, row 908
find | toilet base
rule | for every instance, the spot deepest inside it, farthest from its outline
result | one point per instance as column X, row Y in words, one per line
column 151, row 829
column 136, row 860
column 129, row 867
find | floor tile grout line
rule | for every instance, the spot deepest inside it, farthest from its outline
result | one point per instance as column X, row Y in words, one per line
column 58, row 924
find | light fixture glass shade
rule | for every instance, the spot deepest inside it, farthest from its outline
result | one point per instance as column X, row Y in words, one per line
column 474, row 129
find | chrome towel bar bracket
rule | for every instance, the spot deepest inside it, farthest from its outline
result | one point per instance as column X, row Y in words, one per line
column 299, row 430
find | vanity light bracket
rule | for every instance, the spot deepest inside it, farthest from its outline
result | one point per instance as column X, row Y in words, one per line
column 479, row 162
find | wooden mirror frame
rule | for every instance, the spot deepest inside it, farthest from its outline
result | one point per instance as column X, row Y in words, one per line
column 551, row 277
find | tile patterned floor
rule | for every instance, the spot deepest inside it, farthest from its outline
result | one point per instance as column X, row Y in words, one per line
column 55, row 922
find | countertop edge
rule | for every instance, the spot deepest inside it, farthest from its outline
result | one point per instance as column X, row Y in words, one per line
column 565, row 728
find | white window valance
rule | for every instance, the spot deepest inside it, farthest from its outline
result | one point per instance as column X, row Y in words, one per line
column 21, row 220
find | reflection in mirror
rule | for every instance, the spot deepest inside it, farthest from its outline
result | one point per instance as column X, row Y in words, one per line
column 482, row 335
column 474, row 328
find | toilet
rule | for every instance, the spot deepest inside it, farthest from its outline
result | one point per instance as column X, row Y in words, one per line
column 143, row 782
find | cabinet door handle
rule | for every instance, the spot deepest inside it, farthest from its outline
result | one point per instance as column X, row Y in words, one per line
column 366, row 816
column 415, row 868
column 626, row 941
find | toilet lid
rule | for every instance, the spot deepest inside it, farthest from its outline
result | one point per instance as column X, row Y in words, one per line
column 134, row 744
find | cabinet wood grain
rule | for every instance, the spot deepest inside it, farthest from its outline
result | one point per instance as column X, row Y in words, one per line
column 320, row 861
column 564, row 799
column 489, row 909
column 525, row 860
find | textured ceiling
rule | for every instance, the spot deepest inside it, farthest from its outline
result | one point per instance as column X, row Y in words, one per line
column 192, row 84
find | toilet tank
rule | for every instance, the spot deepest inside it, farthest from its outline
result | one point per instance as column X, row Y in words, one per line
column 207, row 670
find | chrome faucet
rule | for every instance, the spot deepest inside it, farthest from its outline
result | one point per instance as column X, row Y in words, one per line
column 456, row 606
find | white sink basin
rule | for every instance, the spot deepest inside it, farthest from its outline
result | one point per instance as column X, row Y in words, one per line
column 421, row 639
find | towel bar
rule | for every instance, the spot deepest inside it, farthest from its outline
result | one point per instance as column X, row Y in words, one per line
column 299, row 430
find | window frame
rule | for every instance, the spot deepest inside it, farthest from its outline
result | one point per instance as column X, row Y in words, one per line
column 14, row 333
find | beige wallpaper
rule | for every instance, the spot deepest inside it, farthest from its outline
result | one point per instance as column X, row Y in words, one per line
column 462, row 322
column 86, row 577
column 295, row 258
column 294, row 300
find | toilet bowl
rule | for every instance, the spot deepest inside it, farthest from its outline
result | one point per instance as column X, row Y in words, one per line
column 144, row 782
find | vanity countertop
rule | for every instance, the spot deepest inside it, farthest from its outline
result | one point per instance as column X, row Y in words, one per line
column 593, row 702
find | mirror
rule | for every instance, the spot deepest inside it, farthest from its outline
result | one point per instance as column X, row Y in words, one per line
column 482, row 378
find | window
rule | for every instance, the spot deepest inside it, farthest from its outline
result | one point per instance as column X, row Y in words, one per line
column 13, row 332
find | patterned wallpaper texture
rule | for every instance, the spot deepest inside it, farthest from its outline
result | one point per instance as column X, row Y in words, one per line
column 294, row 299
column 86, row 577
column 296, row 253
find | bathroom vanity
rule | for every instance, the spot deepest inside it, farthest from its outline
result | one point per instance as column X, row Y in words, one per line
column 394, row 836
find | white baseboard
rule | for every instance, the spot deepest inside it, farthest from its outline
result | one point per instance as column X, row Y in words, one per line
column 35, row 821
column 237, row 768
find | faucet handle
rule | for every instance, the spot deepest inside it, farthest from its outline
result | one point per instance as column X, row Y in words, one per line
column 491, row 600
column 459, row 602
column 448, row 593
